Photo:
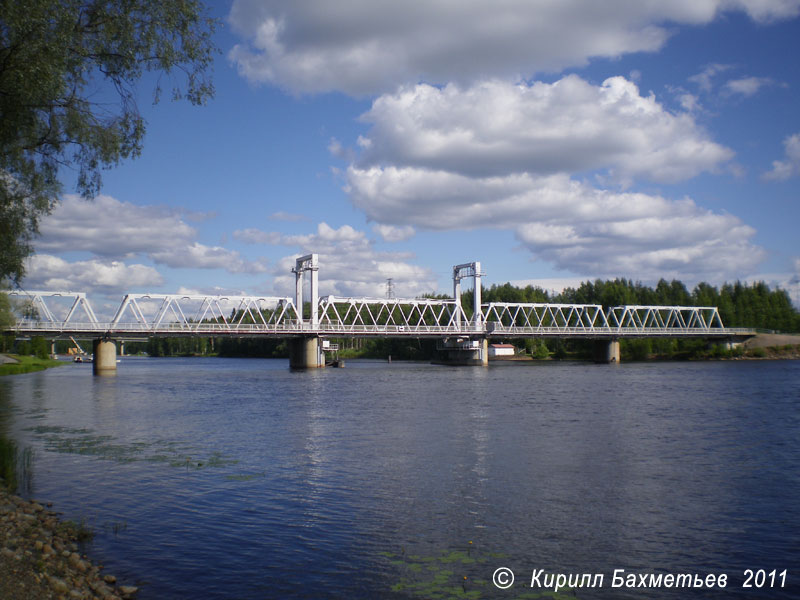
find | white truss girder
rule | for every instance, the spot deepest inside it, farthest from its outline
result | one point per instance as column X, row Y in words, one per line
column 528, row 318
column 208, row 313
column 390, row 315
column 664, row 317
column 36, row 304
column 143, row 315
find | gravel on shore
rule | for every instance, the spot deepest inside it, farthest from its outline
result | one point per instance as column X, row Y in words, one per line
column 39, row 558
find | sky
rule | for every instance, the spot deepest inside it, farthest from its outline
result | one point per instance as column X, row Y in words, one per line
column 554, row 141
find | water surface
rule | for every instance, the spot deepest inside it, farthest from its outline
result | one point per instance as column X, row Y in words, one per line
column 234, row 478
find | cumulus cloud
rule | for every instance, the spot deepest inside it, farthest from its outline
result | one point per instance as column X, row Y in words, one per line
column 510, row 156
column 790, row 165
column 350, row 262
column 573, row 225
column 200, row 256
column 111, row 229
column 496, row 128
column 252, row 235
column 367, row 47
column 390, row 233
column 48, row 272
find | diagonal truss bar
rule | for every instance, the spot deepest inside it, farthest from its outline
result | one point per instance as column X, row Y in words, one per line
column 390, row 315
column 543, row 317
column 665, row 318
column 247, row 313
column 37, row 309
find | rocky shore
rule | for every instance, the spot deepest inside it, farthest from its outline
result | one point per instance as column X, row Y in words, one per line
column 40, row 559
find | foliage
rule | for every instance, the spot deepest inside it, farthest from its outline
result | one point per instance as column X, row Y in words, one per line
column 740, row 305
column 36, row 346
column 68, row 75
column 383, row 348
column 183, row 346
column 7, row 319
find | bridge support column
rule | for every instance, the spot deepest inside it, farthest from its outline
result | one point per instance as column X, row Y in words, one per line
column 606, row 351
column 305, row 353
column 105, row 357
column 463, row 352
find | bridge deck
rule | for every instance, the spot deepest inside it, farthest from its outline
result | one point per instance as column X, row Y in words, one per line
column 134, row 331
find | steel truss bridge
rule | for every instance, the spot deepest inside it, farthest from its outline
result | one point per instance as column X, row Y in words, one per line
column 143, row 315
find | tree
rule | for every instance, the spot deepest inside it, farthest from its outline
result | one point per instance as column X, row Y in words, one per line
column 68, row 75
column 6, row 316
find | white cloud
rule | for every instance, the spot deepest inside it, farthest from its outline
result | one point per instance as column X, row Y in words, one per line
column 790, row 166
column 289, row 217
column 705, row 78
column 497, row 128
column 256, row 236
column 390, row 233
column 689, row 102
column 365, row 47
column 111, row 229
column 746, row 86
column 573, row 225
column 351, row 265
column 48, row 272
column 793, row 285
column 497, row 155
column 200, row 256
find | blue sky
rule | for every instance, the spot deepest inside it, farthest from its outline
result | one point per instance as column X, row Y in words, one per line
column 553, row 141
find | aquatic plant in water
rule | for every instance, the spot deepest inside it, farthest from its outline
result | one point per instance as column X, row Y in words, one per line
column 85, row 442
column 458, row 574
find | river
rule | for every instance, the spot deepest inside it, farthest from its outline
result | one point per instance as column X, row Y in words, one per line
column 238, row 478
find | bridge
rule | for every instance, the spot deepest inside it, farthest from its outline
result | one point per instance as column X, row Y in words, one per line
column 463, row 332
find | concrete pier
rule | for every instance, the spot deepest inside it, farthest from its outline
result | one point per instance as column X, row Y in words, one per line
column 304, row 353
column 606, row 351
column 463, row 352
column 105, row 357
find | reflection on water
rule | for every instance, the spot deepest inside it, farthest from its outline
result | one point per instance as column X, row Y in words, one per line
column 15, row 466
column 239, row 478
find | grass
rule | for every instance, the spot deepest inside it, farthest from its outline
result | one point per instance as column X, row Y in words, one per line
column 79, row 531
column 28, row 364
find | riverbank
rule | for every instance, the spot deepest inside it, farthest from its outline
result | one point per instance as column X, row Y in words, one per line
column 11, row 364
column 40, row 559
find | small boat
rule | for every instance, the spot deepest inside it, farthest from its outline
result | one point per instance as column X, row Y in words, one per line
column 82, row 359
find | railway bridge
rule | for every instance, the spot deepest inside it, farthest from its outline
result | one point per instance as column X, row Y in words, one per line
column 463, row 332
